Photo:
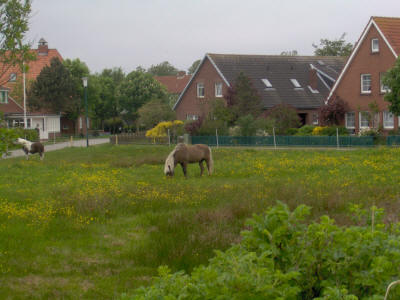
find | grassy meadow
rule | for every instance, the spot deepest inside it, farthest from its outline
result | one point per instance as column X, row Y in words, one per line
column 95, row 223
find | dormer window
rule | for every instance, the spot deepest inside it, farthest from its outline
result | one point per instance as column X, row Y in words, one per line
column 295, row 83
column 267, row 83
column 4, row 97
column 374, row 45
column 13, row 77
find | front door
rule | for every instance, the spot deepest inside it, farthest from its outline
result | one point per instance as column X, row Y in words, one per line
column 303, row 119
column 39, row 123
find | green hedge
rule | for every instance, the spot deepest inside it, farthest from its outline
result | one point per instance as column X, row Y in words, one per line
column 282, row 257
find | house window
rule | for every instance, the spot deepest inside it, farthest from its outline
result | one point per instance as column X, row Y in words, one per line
column 315, row 119
column 384, row 88
column 80, row 122
column 350, row 120
column 200, row 90
column 374, row 45
column 4, row 97
column 192, row 117
column 13, row 77
column 388, row 120
column 366, row 83
column 295, row 83
column 218, row 89
column 364, row 119
column 267, row 83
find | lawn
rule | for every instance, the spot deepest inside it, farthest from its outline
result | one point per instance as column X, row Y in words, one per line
column 97, row 222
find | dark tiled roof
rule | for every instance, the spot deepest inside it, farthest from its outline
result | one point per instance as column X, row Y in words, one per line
column 279, row 70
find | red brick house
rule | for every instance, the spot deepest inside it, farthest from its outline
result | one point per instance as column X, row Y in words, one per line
column 49, row 123
column 303, row 82
column 360, row 82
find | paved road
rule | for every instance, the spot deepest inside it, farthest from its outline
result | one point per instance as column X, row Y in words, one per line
column 52, row 147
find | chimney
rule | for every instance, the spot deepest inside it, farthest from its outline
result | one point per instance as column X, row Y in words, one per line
column 313, row 78
column 181, row 74
column 43, row 48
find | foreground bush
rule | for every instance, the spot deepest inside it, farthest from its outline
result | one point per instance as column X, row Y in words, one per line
column 283, row 258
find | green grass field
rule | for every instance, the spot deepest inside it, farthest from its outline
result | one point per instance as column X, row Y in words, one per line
column 97, row 222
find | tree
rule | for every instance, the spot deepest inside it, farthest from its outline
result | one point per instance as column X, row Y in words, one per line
column 243, row 99
column 136, row 89
column 155, row 111
column 283, row 117
column 78, row 70
column 392, row 85
column 163, row 69
column 194, row 66
column 337, row 47
column 14, row 17
column 333, row 112
column 53, row 89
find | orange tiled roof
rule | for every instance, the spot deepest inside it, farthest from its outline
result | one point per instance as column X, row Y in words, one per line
column 174, row 84
column 390, row 28
column 35, row 66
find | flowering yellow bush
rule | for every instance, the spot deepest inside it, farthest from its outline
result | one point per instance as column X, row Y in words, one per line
column 318, row 130
column 160, row 130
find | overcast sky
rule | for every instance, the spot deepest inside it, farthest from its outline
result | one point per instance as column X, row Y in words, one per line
column 131, row 33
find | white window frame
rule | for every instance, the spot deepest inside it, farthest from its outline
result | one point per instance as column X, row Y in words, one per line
column 200, row 88
column 384, row 89
column 354, row 120
column 218, row 89
column 266, row 82
column 375, row 45
column 13, row 77
column 190, row 117
column 80, row 123
column 4, row 97
column 362, row 84
column 388, row 120
column 295, row 83
column 315, row 119
column 360, row 119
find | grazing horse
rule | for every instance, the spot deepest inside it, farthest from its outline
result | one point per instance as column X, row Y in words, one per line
column 186, row 154
column 32, row 148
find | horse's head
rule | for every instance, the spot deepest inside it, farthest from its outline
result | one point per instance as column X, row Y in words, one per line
column 21, row 141
column 169, row 172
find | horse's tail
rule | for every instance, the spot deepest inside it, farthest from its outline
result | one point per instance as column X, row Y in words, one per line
column 210, row 163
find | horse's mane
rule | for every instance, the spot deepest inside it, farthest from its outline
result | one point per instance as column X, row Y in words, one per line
column 170, row 162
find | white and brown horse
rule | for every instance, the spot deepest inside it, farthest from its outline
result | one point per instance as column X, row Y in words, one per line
column 31, row 148
column 187, row 154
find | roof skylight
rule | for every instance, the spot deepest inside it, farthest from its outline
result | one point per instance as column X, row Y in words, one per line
column 267, row 83
column 295, row 83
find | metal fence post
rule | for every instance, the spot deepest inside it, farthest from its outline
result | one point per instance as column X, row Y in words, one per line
column 273, row 131
column 337, row 138
column 216, row 134
column 169, row 139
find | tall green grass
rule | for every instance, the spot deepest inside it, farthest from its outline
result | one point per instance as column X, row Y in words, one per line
column 97, row 222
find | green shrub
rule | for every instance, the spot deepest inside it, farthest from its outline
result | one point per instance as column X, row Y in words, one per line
column 331, row 130
column 283, row 258
column 305, row 130
column 292, row 131
column 208, row 127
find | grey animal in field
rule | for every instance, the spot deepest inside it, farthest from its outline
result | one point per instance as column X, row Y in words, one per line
column 187, row 154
